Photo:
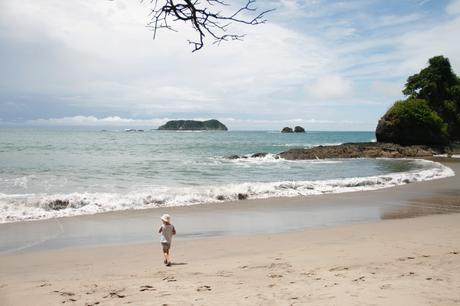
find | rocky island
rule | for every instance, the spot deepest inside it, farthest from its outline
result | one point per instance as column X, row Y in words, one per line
column 297, row 129
column 193, row 125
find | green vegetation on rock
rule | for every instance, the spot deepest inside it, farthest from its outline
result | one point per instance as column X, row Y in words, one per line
column 431, row 113
column 193, row 125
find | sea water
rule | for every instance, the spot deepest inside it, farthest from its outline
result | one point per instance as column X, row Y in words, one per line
column 46, row 173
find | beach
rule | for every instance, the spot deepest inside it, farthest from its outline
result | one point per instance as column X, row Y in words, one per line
column 408, row 255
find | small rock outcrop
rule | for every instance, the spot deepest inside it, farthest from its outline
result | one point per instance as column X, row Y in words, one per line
column 299, row 129
column 193, row 125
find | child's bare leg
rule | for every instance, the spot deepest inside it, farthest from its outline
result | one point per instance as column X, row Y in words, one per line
column 166, row 253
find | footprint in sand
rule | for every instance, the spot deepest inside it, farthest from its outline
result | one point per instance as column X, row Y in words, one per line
column 224, row 273
column 64, row 293
column 44, row 285
column 385, row 286
column 408, row 274
column 170, row 278
column 92, row 289
column 92, row 304
column 69, row 300
column 338, row 269
column 308, row 274
column 453, row 253
column 204, row 288
column 275, row 275
column 115, row 294
column 360, row 279
column 147, row 288
column 405, row 258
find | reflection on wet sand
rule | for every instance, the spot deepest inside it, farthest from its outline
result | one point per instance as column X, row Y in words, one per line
column 447, row 203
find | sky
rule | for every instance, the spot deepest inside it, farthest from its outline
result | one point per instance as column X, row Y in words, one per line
column 324, row 65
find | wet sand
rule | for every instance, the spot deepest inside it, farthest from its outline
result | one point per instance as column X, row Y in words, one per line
column 262, row 252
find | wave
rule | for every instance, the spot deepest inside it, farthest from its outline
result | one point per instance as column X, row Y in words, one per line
column 23, row 207
column 273, row 158
column 307, row 145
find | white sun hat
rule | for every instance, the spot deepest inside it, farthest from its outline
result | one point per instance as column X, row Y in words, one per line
column 166, row 218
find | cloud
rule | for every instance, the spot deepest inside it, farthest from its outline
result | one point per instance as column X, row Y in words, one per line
column 391, row 89
column 94, row 121
column 329, row 87
column 453, row 8
column 89, row 59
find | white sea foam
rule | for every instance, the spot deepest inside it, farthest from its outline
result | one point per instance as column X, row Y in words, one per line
column 273, row 158
column 451, row 156
column 307, row 145
column 21, row 207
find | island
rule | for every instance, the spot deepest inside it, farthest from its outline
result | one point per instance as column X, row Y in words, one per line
column 193, row 125
column 297, row 129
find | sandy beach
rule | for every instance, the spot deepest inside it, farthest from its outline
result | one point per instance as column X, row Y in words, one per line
column 392, row 259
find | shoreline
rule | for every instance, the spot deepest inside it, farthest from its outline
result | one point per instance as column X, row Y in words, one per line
column 266, row 216
column 62, row 205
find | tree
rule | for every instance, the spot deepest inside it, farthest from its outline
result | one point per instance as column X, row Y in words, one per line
column 435, row 84
column 206, row 18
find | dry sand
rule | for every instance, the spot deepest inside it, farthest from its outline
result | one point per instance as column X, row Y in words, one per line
column 394, row 262
column 412, row 261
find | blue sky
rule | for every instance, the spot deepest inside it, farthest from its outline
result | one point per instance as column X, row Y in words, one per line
column 325, row 65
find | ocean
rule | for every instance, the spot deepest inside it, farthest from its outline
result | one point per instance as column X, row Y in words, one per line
column 48, row 173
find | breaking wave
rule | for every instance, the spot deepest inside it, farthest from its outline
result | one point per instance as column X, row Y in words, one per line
column 36, row 206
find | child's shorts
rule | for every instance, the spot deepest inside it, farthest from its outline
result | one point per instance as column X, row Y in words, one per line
column 166, row 246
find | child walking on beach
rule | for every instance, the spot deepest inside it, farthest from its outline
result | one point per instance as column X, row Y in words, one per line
column 166, row 231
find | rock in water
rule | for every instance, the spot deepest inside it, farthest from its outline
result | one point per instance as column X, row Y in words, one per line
column 359, row 150
column 299, row 129
column 193, row 125
column 58, row 204
column 287, row 130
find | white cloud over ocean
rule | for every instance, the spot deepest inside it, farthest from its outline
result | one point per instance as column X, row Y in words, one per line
column 333, row 61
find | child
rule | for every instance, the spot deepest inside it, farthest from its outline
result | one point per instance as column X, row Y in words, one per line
column 166, row 231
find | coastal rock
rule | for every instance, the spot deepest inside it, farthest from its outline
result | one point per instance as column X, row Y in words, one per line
column 393, row 129
column 258, row 155
column 234, row 156
column 193, row 125
column 242, row 196
column 58, row 204
column 287, row 130
column 299, row 129
column 359, row 150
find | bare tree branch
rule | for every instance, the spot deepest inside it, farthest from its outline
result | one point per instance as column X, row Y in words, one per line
column 207, row 20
